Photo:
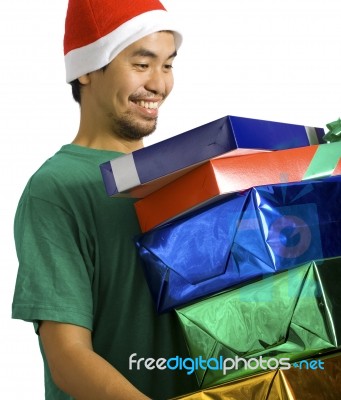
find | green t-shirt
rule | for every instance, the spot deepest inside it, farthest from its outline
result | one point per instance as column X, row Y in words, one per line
column 78, row 264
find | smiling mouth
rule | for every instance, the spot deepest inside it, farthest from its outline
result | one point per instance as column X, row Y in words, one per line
column 149, row 105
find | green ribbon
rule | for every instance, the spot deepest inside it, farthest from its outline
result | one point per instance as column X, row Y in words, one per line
column 334, row 133
column 324, row 161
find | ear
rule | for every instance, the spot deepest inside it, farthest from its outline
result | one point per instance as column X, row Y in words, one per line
column 84, row 79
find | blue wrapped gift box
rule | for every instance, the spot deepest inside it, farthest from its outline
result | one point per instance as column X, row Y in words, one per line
column 143, row 171
column 241, row 237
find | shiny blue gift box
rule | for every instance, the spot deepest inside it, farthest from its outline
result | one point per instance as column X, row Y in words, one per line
column 143, row 171
column 240, row 238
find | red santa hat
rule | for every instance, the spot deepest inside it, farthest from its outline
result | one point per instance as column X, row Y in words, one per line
column 96, row 31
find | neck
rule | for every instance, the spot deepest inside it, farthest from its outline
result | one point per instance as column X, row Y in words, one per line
column 93, row 134
column 106, row 142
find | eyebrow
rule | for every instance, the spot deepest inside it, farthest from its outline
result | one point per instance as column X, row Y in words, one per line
column 142, row 52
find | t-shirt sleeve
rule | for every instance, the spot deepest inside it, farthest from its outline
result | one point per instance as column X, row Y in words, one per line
column 55, row 269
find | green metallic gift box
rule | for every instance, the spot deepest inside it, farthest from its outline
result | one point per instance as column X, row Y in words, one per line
column 259, row 326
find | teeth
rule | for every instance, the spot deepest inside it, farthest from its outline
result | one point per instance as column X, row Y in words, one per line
column 148, row 104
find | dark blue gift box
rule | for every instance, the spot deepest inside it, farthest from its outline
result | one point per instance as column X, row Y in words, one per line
column 143, row 171
column 240, row 238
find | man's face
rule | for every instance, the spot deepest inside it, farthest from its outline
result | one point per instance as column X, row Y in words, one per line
column 127, row 95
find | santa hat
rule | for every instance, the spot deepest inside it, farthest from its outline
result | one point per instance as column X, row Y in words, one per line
column 96, row 31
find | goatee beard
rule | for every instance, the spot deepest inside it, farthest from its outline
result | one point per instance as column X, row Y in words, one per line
column 128, row 129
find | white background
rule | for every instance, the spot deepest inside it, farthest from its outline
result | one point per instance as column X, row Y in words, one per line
column 270, row 59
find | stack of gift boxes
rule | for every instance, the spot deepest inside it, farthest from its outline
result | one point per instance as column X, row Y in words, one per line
column 241, row 222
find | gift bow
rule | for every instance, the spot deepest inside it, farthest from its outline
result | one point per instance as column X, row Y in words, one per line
column 334, row 133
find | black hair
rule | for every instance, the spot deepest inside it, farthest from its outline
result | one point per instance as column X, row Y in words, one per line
column 76, row 90
column 76, row 87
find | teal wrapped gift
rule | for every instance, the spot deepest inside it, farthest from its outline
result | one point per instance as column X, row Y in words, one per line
column 293, row 315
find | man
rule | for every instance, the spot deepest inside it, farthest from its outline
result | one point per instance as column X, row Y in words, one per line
column 79, row 278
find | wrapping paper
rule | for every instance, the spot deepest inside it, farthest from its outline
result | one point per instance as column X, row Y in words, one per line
column 294, row 314
column 143, row 171
column 222, row 176
column 292, row 384
column 240, row 238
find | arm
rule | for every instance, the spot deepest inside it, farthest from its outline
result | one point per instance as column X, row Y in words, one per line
column 77, row 369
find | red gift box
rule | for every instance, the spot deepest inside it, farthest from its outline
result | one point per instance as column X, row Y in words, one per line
column 221, row 176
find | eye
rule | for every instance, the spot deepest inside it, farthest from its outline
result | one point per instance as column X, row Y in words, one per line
column 141, row 66
column 168, row 67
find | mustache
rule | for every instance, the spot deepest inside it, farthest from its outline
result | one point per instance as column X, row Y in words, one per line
column 147, row 95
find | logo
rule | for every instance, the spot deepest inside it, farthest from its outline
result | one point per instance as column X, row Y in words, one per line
column 199, row 363
column 190, row 365
column 309, row 364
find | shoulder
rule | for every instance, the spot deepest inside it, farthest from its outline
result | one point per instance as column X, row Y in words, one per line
column 69, row 168
column 71, row 174
column 48, row 180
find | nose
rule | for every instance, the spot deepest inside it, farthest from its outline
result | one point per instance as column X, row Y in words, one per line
column 159, row 81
